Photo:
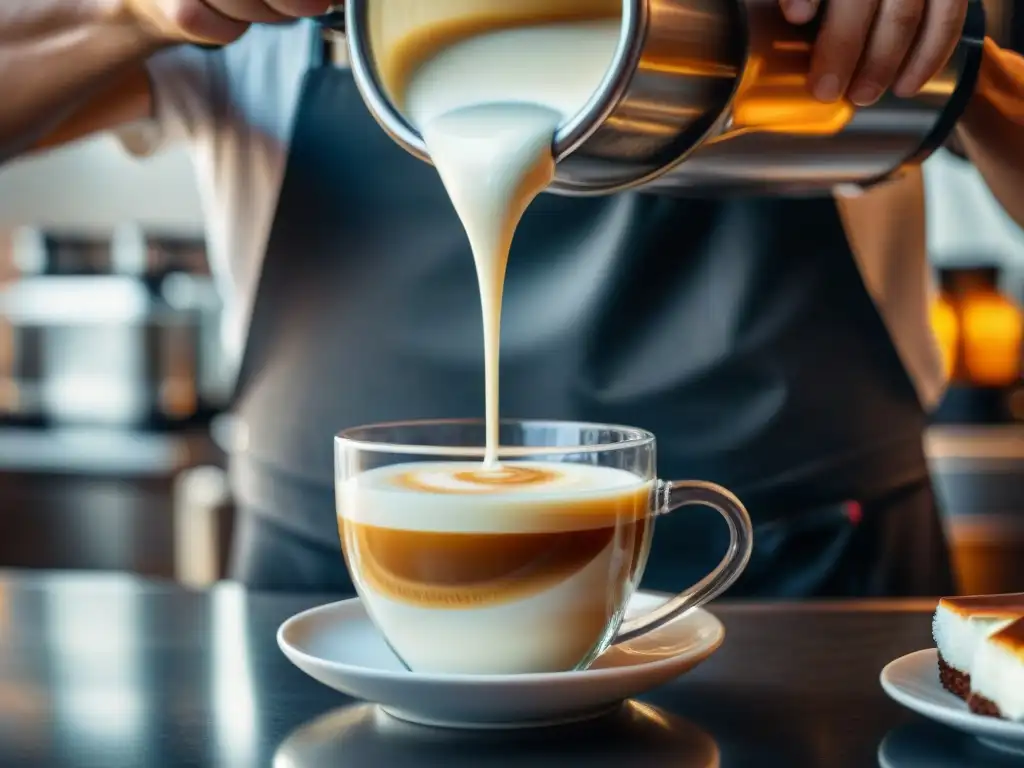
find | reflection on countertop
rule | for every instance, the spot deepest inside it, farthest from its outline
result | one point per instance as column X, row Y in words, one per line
column 930, row 745
column 636, row 735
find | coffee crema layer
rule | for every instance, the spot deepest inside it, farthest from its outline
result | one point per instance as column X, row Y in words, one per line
column 450, row 535
column 458, row 570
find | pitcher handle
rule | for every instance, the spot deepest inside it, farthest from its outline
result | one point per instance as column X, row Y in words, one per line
column 672, row 496
column 334, row 18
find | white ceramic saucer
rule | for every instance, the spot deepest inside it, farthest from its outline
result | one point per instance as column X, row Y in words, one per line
column 913, row 681
column 338, row 645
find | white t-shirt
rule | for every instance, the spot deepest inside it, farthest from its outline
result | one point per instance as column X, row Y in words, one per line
column 235, row 107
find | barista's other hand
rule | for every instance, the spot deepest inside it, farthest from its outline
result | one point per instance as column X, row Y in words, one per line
column 867, row 47
column 214, row 22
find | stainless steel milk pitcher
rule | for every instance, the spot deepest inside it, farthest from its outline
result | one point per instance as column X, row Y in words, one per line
column 703, row 96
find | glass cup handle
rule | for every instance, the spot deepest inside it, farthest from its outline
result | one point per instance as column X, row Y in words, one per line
column 672, row 496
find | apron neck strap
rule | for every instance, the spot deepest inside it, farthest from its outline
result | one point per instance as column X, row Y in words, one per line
column 325, row 42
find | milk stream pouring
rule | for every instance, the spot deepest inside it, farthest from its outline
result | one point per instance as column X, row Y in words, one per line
column 700, row 96
column 488, row 119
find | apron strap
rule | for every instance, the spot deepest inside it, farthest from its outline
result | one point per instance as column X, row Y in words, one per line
column 327, row 33
column 325, row 36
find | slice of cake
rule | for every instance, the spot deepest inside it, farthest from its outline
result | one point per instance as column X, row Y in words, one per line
column 997, row 675
column 960, row 627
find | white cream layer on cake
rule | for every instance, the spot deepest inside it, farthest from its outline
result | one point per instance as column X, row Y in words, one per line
column 962, row 624
column 981, row 638
column 997, row 674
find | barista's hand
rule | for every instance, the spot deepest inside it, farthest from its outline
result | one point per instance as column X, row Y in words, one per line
column 215, row 22
column 867, row 47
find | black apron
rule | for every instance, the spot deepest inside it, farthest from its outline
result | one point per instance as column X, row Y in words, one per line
column 740, row 332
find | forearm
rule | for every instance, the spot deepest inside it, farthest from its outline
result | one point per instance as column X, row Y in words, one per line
column 56, row 55
column 992, row 128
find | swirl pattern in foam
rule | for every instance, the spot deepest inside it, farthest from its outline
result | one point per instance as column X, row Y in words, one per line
column 518, row 497
column 504, row 478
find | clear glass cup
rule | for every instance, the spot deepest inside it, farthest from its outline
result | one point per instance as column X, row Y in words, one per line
column 483, row 577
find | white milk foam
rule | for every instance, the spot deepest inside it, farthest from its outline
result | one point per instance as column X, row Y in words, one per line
column 378, row 498
column 488, row 108
column 997, row 673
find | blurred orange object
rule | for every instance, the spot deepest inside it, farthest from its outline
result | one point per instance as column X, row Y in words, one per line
column 991, row 329
column 980, row 329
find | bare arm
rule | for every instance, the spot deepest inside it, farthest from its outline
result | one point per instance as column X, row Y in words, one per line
column 992, row 128
column 67, row 68
column 74, row 67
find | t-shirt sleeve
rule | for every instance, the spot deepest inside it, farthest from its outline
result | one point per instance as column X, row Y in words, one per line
column 185, row 83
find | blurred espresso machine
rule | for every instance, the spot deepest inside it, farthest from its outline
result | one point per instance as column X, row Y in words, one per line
column 118, row 330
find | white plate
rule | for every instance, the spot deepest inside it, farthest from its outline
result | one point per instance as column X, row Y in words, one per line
column 913, row 681
column 338, row 645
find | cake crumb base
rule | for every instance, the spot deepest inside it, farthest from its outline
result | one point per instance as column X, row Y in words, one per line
column 979, row 705
column 953, row 680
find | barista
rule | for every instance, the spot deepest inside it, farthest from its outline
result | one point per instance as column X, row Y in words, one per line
column 777, row 346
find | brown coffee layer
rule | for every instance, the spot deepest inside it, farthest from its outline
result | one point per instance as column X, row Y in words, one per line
column 471, row 570
column 953, row 680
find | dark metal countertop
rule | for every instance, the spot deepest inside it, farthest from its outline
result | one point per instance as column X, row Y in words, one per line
column 112, row 671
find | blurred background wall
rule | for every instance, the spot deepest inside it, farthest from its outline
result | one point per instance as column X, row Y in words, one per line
column 95, row 185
